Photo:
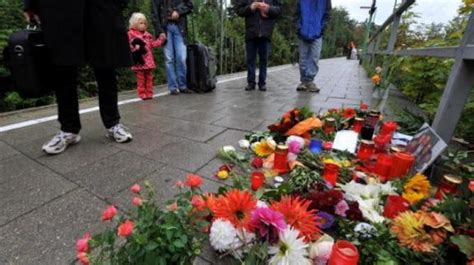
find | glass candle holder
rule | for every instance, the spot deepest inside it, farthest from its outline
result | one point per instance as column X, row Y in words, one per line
column 449, row 185
column 358, row 124
column 280, row 163
column 401, row 164
column 330, row 173
column 315, row 146
column 373, row 118
column 329, row 125
column 344, row 253
column 367, row 132
column 366, row 150
column 383, row 166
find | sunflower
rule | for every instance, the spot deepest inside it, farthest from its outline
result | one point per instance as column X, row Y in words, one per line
column 264, row 148
column 297, row 215
column 408, row 227
column 235, row 206
column 416, row 189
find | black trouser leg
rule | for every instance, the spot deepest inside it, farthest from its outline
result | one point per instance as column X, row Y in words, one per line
column 251, row 49
column 65, row 88
column 108, row 96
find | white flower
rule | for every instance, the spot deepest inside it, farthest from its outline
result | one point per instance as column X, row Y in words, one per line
column 223, row 235
column 261, row 204
column 243, row 237
column 365, row 230
column 289, row 250
column 228, row 148
column 291, row 157
column 387, row 188
column 371, row 209
column 244, row 144
column 321, row 248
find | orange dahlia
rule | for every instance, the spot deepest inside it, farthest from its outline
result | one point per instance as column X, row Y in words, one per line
column 297, row 215
column 408, row 227
column 235, row 206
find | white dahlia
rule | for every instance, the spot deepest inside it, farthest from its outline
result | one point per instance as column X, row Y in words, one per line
column 289, row 250
column 223, row 235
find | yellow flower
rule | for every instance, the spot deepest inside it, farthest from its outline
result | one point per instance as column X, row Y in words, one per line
column 408, row 227
column 223, row 174
column 331, row 161
column 416, row 189
column 264, row 148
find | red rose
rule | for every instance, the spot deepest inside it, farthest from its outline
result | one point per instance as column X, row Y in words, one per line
column 198, row 202
column 364, row 106
column 135, row 188
column 327, row 145
column 126, row 228
column 332, row 197
column 394, row 205
column 194, row 181
column 257, row 180
column 109, row 213
column 137, row 201
column 354, row 212
column 82, row 245
column 257, row 162
column 471, row 185
column 83, row 258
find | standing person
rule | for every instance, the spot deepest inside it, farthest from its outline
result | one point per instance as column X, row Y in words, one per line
column 77, row 32
column 141, row 45
column 260, row 18
column 311, row 19
column 169, row 20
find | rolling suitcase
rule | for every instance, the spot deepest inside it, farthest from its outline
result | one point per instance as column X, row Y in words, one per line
column 28, row 61
column 201, row 68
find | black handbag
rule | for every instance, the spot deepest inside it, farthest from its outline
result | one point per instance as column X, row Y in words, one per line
column 27, row 58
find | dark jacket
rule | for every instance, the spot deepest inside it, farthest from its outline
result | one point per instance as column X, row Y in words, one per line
column 255, row 24
column 324, row 18
column 161, row 10
column 83, row 31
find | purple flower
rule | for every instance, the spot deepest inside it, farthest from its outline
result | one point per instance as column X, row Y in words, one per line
column 341, row 208
column 268, row 223
column 294, row 147
column 325, row 219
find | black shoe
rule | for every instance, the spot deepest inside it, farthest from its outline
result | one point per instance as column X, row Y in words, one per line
column 174, row 92
column 262, row 88
column 250, row 87
column 185, row 91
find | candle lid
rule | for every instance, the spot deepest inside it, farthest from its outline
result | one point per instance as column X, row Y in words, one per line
column 278, row 179
column 374, row 112
column 281, row 147
column 453, row 179
column 395, row 149
column 330, row 119
column 359, row 119
column 367, row 142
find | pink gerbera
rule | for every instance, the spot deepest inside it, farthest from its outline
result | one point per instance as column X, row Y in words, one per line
column 268, row 223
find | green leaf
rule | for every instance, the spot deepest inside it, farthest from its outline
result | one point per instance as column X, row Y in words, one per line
column 465, row 244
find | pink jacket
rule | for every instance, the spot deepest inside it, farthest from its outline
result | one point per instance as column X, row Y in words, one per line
column 149, row 45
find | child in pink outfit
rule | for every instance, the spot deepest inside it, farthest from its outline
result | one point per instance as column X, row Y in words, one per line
column 141, row 45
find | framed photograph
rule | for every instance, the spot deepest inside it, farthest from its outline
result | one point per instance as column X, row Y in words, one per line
column 426, row 146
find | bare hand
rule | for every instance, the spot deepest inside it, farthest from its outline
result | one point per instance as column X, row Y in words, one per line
column 162, row 36
column 31, row 17
column 137, row 47
column 175, row 15
column 254, row 6
column 264, row 7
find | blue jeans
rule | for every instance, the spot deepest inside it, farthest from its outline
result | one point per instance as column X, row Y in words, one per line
column 175, row 56
column 310, row 52
column 254, row 46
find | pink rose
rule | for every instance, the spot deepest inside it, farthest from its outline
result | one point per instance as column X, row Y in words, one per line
column 179, row 184
column 341, row 208
column 126, row 228
column 137, row 201
column 83, row 258
column 82, row 245
column 172, row 207
column 109, row 213
column 136, row 188
column 198, row 202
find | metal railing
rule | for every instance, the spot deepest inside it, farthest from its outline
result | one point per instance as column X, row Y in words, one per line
column 461, row 78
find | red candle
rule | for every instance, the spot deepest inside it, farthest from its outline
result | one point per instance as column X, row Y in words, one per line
column 344, row 253
column 449, row 185
column 257, row 180
column 330, row 173
column 366, row 149
column 383, row 166
column 401, row 164
column 358, row 124
column 388, row 127
column 381, row 142
column 280, row 163
column 329, row 125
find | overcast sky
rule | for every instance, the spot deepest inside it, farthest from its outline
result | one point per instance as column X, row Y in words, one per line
column 438, row 11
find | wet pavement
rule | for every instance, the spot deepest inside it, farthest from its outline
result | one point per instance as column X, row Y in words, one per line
column 47, row 202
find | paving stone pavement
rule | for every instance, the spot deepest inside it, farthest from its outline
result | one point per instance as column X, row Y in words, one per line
column 47, row 202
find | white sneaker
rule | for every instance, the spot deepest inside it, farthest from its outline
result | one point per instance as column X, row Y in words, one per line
column 60, row 142
column 119, row 133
